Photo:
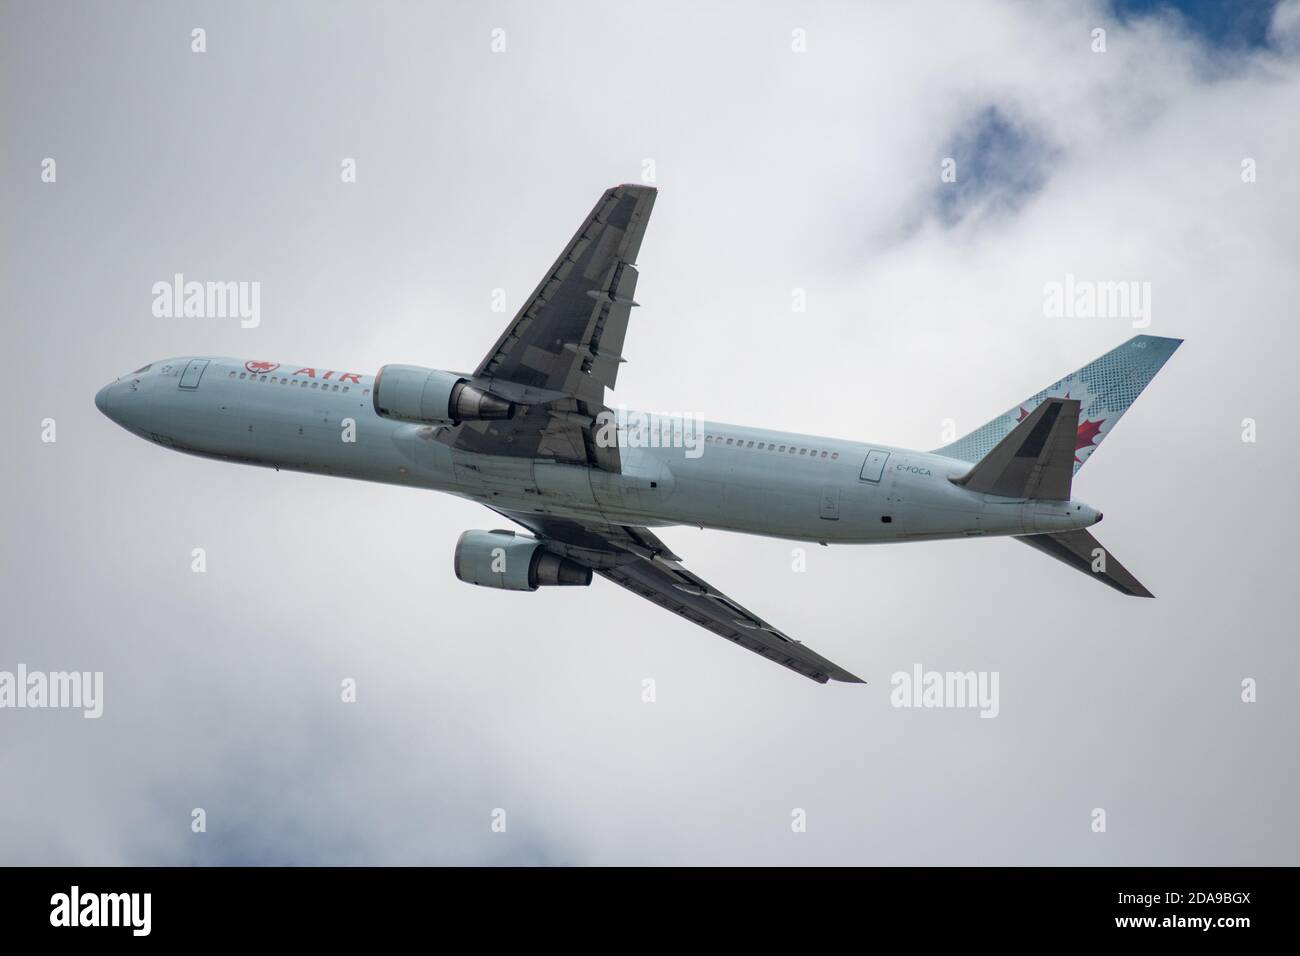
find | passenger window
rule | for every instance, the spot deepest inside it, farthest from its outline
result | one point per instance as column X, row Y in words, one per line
column 729, row 441
column 823, row 454
column 835, row 455
column 803, row 451
column 232, row 374
column 782, row 448
column 345, row 388
column 243, row 375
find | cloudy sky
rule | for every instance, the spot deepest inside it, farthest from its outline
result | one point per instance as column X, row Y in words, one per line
column 785, row 160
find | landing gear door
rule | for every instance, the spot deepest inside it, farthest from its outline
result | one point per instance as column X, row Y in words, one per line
column 193, row 372
column 874, row 466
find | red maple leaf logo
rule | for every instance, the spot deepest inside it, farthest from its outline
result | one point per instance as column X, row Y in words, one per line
column 261, row 366
column 1087, row 432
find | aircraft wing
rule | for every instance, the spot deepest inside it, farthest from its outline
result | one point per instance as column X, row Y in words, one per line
column 633, row 558
column 563, row 348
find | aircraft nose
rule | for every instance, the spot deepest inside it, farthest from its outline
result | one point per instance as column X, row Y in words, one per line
column 105, row 400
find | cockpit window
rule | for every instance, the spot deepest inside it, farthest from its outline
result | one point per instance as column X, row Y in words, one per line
column 145, row 369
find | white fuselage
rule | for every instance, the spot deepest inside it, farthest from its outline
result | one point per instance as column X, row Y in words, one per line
column 735, row 478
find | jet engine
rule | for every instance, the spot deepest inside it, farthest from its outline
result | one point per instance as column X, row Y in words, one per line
column 514, row 562
column 429, row 396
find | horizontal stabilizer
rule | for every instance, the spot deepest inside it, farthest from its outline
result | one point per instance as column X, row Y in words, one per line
column 1080, row 550
column 1036, row 460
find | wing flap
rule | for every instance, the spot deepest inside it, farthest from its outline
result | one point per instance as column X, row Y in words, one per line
column 565, row 345
column 584, row 301
column 634, row 558
column 691, row 598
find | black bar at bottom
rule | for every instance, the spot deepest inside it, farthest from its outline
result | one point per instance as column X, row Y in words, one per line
column 214, row 905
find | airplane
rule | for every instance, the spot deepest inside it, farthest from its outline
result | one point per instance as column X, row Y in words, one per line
column 528, row 433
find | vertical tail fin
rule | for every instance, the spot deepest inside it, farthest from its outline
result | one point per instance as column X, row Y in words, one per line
column 1104, row 388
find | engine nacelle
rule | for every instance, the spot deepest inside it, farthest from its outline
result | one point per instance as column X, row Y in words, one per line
column 429, row 396
column 514, row 562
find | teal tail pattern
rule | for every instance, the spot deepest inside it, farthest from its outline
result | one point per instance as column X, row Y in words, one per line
column 1105, row 389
